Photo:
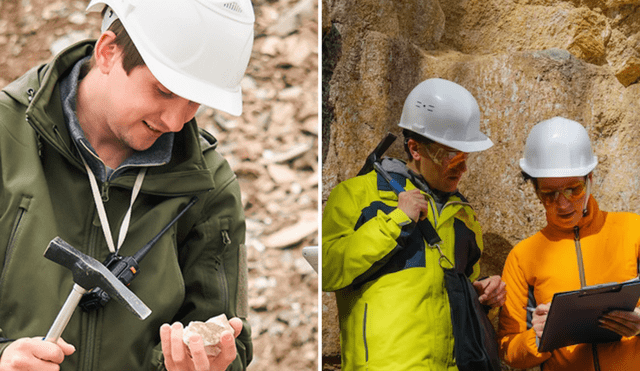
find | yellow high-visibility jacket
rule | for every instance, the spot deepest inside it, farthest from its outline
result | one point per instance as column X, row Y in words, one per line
column 392, row 302
column 545, row 264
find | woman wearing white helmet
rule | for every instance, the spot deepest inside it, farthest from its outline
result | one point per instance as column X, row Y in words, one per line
column 580, row 246
column 110, row 141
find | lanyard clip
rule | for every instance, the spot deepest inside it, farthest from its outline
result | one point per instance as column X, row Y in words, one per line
column 443, row 257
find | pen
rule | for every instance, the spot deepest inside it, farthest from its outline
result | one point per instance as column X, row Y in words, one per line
column 530, row 309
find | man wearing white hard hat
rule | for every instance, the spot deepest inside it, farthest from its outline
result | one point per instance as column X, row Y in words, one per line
column 392, row 302
column 580, row 246
column 100, row 148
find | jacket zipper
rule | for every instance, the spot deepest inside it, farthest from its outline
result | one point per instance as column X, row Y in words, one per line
column 222, row 277
column 14, row 232
column 12, row 240
column 92, row 317
column 583, row 283
column 434, row 208
column 104, row 192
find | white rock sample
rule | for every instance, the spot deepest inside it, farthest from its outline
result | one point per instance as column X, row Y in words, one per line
column 211, row 332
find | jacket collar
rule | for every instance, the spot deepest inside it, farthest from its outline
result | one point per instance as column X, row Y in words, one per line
column 589, row 224
column 38, row 91
column 398, row 170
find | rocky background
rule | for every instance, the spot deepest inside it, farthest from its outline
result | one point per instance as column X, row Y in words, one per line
column 524, row 60
column 273, row 147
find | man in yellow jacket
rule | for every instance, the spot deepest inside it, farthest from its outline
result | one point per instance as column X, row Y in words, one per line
column 580, row 246
column 392, row 302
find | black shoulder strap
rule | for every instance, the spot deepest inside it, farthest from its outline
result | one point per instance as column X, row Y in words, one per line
column 428, row 232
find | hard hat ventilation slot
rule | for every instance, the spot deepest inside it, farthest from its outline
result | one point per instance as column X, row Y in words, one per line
column 422, row 105
column 233, row 6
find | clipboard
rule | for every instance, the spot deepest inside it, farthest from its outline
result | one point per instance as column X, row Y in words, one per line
column 573, row 315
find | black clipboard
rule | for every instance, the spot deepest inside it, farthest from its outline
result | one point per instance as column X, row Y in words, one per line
column 573, row 315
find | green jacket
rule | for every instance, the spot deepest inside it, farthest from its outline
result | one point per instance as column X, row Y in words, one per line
column 196, row 270
column 392, row 303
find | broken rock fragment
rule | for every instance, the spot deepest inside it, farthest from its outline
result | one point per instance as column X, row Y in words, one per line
column 211, row 332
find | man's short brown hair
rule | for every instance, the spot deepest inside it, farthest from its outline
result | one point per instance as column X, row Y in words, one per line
column 130, row 56
column 408, row 134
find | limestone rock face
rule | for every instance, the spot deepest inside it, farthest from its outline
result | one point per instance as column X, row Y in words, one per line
column 524, row 60
column 605, row 35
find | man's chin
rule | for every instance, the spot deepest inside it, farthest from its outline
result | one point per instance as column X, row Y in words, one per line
column 142, row 145
column 451, row 183
column 449, row 187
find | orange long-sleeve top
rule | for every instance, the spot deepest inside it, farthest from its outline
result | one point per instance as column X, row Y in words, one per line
column 546, row 263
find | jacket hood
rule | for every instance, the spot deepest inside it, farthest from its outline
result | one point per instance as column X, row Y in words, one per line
column 39, row 93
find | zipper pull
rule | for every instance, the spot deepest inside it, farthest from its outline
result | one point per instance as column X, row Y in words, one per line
column 583, row 281
column 225, row 224
column 30, row 94
column 226, row 240
column 105, row 192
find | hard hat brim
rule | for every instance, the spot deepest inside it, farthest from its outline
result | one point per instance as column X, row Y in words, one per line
column 480, row 143
column 558, row 172
column 468, row 146
column 194, row 89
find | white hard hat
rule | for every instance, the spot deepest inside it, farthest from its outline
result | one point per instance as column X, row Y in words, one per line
column 558, row 148
column 198, row 49
column 445, row 112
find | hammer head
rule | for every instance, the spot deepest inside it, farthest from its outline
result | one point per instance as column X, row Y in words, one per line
column 377, row 153
column 89, row 273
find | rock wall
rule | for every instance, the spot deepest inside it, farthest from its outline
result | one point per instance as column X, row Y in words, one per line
column 524, row 60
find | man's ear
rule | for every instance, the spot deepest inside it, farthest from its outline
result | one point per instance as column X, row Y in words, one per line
column 106, row 52
column 413, row 146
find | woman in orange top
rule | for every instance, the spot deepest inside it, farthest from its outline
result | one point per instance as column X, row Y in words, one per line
column 580, row 246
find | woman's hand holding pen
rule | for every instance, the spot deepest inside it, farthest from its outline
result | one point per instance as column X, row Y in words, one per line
column 539, row 317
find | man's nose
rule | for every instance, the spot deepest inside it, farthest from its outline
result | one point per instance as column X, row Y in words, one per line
column 177, row 113
column 460, row 165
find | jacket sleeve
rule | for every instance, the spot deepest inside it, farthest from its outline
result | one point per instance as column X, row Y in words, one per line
column 214, row 263
column 517, row 339
column 349, row 253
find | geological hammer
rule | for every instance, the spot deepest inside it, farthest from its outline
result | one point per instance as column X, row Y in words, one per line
column 87, row 274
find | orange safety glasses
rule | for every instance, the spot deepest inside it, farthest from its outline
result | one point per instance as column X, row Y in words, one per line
column 446, row 157
column 572, row 194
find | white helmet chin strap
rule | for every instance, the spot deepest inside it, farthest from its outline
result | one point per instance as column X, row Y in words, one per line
column 586, row 200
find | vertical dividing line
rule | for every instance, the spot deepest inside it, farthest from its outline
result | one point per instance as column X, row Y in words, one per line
column 364, row 334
